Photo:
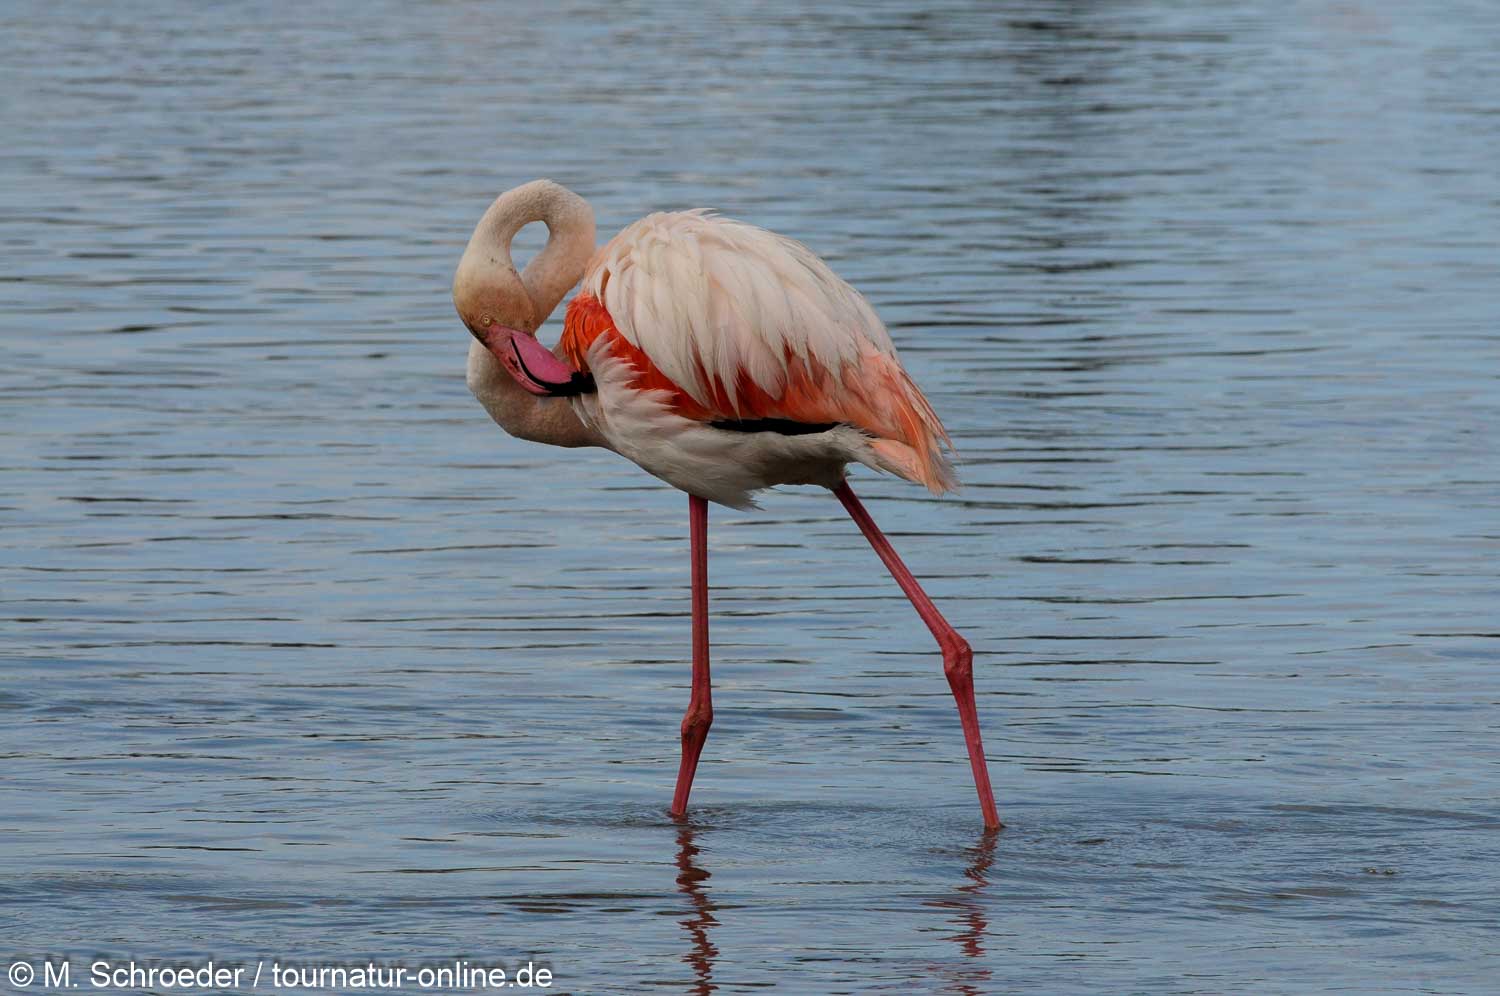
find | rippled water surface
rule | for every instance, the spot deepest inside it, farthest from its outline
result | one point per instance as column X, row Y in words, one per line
column 305, row 660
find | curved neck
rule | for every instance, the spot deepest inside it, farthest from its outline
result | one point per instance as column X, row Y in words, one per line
column 487, row 284
column 487, row 291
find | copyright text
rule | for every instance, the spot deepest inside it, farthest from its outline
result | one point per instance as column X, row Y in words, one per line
column 457, row 975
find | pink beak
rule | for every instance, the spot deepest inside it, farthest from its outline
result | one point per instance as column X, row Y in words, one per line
column 531, row 364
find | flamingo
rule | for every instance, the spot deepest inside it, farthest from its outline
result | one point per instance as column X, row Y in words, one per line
column 723, row 359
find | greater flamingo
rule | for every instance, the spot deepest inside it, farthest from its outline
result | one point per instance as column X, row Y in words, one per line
column 721, row 358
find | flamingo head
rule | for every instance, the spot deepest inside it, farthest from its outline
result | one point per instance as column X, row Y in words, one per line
column 503, row 308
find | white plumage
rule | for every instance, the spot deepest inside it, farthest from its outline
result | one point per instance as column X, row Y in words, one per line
column 721, row 465
column 702, row 294
column 744, row 324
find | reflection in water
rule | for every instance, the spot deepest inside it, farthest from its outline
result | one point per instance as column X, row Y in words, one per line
column 967, row 906
column 690, row 879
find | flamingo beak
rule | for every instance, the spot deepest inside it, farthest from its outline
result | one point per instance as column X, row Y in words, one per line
column 531, row 364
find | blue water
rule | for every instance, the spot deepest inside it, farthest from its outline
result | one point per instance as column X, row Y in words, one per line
column 305, row 661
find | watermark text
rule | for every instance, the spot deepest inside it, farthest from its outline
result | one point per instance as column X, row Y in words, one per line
column 454, row 975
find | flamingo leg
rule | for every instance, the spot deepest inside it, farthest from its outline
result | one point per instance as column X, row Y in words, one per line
column 957, row 657
column 700, row 710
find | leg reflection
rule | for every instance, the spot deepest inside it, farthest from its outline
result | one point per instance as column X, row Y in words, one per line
column 690, row 882
column 967, row 906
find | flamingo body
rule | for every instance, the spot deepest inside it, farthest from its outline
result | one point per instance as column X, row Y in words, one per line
column 698, row 328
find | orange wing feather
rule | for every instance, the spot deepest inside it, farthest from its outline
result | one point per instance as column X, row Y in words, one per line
column 875, row 395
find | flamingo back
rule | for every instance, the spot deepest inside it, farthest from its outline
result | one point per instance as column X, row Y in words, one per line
column 734, row 323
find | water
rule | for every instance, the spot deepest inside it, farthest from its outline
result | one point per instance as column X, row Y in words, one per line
column 306, row 661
